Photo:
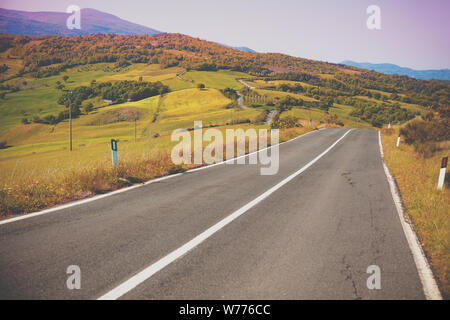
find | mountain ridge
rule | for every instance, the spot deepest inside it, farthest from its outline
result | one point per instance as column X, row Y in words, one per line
column 54, row 23
column 390, row 68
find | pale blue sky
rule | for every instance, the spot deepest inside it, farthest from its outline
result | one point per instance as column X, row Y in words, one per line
column 413, row 33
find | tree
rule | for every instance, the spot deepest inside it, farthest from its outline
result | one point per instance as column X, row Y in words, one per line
column 88, row 108
column 326, row 103
column 287, row 122
column 201, row 86
column 3, row 68
column 376, row 122
column 65, row 78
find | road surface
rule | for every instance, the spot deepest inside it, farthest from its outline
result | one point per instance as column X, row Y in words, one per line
column 270, row 116
column 312, row 238
column 246, row 84
column 239, row 100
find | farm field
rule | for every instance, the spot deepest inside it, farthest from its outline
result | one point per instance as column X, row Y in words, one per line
column 219, row 80
column 178, row 109
column 280, row 94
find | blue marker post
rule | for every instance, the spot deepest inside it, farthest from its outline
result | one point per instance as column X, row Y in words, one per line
column 114, row 153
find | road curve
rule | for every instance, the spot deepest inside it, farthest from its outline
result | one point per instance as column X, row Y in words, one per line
column 270, row 116
column 313, row 238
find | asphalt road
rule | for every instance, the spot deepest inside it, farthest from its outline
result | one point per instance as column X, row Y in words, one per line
column 270, row 116
column 313, row 238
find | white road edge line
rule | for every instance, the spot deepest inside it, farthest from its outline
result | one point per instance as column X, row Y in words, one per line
column 430, row 288
column 101, row 196
column 145, row 274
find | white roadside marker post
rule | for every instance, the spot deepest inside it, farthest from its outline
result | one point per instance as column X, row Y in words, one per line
column 442, row 173
column 115, row 160
column 398, row 141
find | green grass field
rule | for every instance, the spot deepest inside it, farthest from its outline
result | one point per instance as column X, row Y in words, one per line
column 219, row 80
column 36, row 144
column 39, row 96
column 280, row 94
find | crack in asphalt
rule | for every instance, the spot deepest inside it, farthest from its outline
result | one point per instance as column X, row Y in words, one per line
column 347, row 272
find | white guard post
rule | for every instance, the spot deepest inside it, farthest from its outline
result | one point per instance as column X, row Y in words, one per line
column 442, row 173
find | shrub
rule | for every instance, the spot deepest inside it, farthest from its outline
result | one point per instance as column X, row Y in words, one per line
column 376, row 122
column 229, row 93
column 288, row 122
column 89, row 108
column 425, row 134
column 422, row 131
column 3, row 144
column 429, row 116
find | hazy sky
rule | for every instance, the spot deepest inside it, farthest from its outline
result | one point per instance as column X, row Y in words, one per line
column 413, row 33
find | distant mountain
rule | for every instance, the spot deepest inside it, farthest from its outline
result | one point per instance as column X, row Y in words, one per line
column 54, row 23
column 443, row 74
column 49, row 23
column 246, row 49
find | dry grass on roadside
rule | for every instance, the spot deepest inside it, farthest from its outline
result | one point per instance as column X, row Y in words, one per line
column 37, row 192
column 427, row 207
column 33, row 192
